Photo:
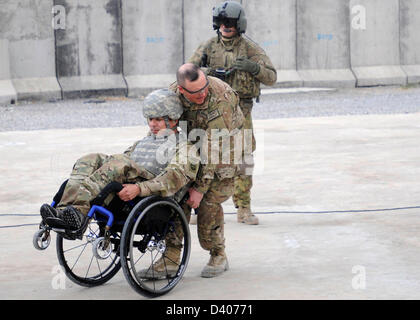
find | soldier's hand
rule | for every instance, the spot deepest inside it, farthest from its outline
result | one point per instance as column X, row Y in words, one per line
column 195, row 198
column 129, row 192
column 247, row 65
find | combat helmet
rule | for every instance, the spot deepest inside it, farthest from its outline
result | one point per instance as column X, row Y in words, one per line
column 230, row 12
column 162, row 103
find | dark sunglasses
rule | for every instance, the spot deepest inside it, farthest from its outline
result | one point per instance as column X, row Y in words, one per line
column 197, row 91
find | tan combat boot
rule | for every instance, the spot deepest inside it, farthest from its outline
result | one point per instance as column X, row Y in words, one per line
column 245, row 215
column 165, row 266
column 217, row 265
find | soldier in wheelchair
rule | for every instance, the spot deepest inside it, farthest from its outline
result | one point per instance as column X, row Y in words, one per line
column 143, row 169
column 137, row 201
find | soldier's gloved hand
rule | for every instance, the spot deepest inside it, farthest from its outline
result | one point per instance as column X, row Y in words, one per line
column 247, row 65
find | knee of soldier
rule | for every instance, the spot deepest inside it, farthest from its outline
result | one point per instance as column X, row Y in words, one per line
column 205, row 243
column 118, row 163
column 210, row 225
column 210, row 237
column 122, row 161
column 202, row 233
column 94, row 157
column 119, row 157
column 90, row 160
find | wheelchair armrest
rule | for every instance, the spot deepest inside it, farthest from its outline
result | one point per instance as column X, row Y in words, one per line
column 112, row 187
column 102, row 211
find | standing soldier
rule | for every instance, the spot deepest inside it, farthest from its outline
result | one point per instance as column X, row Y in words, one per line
column 241, row 63
column 211, row 110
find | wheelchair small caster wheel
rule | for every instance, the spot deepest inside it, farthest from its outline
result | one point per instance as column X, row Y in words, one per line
column 101, row 248
column 41, row 239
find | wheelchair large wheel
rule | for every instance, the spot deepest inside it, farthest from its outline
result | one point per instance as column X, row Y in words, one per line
column 83, row 261
column 142, row 246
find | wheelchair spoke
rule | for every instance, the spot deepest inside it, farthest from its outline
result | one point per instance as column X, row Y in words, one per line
column 153, row 271
column 91, row 259
column 80, row 245
column 166, row 257
column 168, row 277
column 99, row 267
column 138, row 259
column 96, row 232
column 151, row 265
column 166, row 270
column 78, row 257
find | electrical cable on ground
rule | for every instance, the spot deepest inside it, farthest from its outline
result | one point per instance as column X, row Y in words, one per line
column 256, row 212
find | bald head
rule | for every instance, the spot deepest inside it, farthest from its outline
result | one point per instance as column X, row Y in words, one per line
column 192, row 83
column 187, row 72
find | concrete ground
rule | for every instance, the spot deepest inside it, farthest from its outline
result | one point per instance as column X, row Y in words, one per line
column 338, row 200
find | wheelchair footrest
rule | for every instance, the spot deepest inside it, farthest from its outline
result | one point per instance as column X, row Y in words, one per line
column 59, row 226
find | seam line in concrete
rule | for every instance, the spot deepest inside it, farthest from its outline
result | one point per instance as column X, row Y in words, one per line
column 122, row 47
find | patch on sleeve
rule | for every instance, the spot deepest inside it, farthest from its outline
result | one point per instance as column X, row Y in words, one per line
column 213, row 115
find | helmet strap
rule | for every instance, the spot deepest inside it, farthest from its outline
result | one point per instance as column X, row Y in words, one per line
column 166, row 118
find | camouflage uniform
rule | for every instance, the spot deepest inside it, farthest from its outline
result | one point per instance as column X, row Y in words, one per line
column 137, row 165
column 219, row 53
column 219, row 111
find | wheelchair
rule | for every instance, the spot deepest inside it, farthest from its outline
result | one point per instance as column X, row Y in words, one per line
column 132, row 235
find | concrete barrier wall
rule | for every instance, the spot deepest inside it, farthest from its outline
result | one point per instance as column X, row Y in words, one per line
column 323, row 43
column 26, row 25
column 276, row 35
column 7, row 90
column 198, row 24
column 89, row 48
column 375, row 49
column 120, row 47
column 153, row 43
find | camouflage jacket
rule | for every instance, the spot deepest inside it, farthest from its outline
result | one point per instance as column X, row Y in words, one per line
column 216, row 53
column 180, row 169
column 219, row 113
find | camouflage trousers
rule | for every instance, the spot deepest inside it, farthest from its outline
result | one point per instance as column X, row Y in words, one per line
column 210, row 218
column 210, row 215
column 92, row 173
column 243, row 181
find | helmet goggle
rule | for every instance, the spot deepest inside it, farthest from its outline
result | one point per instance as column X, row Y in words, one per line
column 227, row 22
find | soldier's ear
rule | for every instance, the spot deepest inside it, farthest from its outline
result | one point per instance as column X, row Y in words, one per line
column 181, row 89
